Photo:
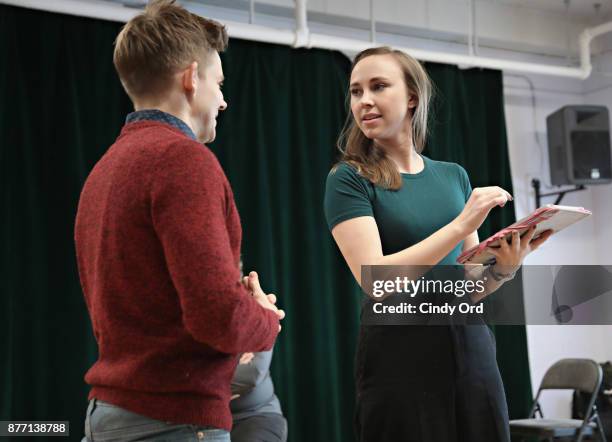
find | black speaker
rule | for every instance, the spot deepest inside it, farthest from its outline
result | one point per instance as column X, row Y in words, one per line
column 579, row 145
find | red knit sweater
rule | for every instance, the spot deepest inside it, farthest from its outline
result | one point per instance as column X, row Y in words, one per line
column 158, row 244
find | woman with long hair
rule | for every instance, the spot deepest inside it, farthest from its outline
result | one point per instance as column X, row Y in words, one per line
column 387, row 204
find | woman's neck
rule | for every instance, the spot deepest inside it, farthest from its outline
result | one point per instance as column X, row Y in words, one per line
column 403, row 154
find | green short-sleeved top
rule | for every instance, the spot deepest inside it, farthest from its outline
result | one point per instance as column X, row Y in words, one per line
column 426, row 202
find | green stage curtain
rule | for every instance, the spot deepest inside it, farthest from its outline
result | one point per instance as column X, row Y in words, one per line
column 61, row 106
column 469, row 128
column 275, row 140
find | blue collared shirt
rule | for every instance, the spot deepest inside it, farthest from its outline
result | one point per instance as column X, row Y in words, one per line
column 157, row 115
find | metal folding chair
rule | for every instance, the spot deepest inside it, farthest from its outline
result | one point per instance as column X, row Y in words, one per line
column 574, row 374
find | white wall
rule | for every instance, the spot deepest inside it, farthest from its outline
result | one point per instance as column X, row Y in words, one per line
column 598, row 90
column 589, row 242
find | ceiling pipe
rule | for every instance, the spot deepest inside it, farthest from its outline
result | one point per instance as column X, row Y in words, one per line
column 475, row 27
column 372, row 23
column 301, row 37
column 470, row 38
column 568, row 38
column 586, row 37
column 302, row 34
column 252, row 12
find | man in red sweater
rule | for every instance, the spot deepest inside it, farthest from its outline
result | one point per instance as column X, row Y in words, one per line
column 158, row 245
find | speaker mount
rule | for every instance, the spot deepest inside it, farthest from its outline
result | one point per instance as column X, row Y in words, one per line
column 535, row 183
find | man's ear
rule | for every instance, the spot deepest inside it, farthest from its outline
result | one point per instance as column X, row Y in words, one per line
column 190, row 77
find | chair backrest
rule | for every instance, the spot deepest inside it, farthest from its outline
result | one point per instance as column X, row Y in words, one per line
column 574, row 374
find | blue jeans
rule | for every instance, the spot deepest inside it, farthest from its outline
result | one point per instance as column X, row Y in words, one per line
column 108, row 423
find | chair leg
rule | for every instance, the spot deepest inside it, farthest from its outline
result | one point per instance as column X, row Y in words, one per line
column 600, row 429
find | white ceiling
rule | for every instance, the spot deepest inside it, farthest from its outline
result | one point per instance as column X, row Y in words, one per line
column 526, row 28
column 582, row 9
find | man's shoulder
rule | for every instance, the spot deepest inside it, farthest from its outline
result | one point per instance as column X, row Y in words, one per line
column 153, row 132
column 189, row 152
column 165, row 141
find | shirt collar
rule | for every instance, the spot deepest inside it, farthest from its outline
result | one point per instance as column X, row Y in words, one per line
column 164, row 117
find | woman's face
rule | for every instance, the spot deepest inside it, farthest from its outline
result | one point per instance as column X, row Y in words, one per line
column 380, row 101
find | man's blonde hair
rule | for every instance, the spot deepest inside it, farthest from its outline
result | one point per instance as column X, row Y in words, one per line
column 161, row 41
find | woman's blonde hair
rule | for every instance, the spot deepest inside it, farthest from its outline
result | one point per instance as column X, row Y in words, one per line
column 361, row 152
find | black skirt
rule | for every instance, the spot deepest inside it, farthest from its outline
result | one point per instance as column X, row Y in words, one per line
column 429, row 384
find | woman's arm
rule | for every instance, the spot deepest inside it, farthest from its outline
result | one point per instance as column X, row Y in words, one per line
column 359, row 243
column 477, row 272
column 359, row 240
